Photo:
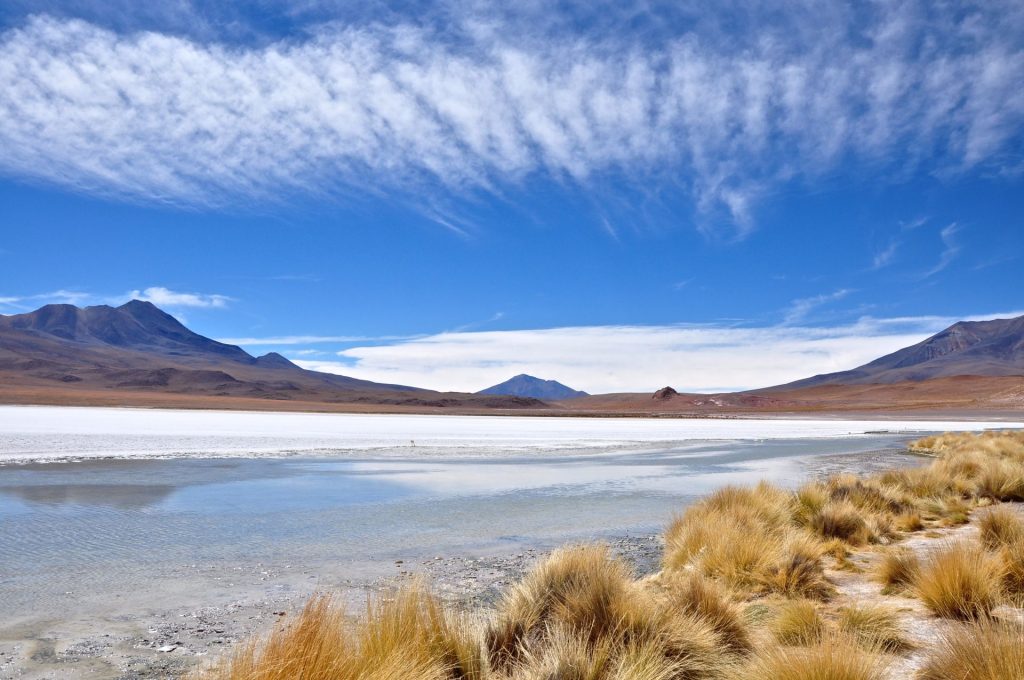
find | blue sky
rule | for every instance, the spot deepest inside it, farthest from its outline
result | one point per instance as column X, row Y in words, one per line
column 617, row 196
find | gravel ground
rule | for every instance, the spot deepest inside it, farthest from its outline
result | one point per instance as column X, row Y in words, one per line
column 167, row 643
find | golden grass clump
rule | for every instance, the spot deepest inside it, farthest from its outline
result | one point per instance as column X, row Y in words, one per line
column 696, row 595
column 1002, row 480
column 842, row 520
column 920, row 482
column 961, row 581
column 762, row 508
column 875, row 627
column 734, row 547
column 909, row 521
column 983, row 650
column 1000, row 527
column 409, row 636
column 798, row 622
column 581, row 603
column 870, row 495
column 797, row 570
column 1013, row 572
column 568, row 656
column 1000, row 444
column 834, row 658
column 582, row 589
column 810, row 499
column 897, row 570
column 750, row 540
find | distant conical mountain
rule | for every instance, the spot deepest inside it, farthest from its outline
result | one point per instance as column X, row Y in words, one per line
column 980, row 348
column 524, row 385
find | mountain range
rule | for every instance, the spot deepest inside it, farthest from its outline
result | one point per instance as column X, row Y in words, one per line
column 94, row 353
column 138, row 355
column 524, row 385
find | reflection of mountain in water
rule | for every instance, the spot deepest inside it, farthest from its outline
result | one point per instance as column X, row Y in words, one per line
column 119, row 496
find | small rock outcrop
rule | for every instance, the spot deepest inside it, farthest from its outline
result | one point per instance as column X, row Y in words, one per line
column 665, row 393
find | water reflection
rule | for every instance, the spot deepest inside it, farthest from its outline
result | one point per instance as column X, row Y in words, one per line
column 120, row 496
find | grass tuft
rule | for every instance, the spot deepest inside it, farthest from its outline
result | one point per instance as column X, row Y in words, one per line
column 897, row 570
column 842, row 520
column 580, row 612
column 1012, row 556
column 704, row 599
column 1000, row 527
column 875, row 627
column 984, row 650
column 798, row 622
column 961, row 581
column 797, row 570
column 831, row 659
column 409, row 636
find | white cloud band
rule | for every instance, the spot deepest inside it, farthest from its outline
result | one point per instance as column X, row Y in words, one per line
column 633, row 358
column 161, row 118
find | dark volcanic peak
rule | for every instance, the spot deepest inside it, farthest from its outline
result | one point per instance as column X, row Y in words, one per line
column 135, row 325
column 274, row 360
column 524, row 385
column 139, row 347
column 980, row 348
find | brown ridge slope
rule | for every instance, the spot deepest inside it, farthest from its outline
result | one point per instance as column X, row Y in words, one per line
column 137, row 354
column 980, row 348
column 963, row 394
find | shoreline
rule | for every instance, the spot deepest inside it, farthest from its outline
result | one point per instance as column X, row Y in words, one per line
column 640, row 405
column 200, row 610
column 157, row 636
column 171, row 642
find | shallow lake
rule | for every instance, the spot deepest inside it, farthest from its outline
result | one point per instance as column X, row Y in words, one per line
column 96, row 500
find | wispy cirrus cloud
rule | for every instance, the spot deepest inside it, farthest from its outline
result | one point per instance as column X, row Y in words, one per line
column 884, row 257
column 800, row 308
column 950, row 249
column 486, row 107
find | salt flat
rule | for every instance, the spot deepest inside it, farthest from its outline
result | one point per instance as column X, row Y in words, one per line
column 52, row 433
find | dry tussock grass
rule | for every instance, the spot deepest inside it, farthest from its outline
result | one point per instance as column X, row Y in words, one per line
column 985, row 650
column 897, row 570
column 874, row 627
column 842, row 520
column 409, row 636
column 581, row 604
column 834, row 658
column 1013, row 572
column 705, row 599
column 798, row 622
column 961, row 581
column 1000, row 527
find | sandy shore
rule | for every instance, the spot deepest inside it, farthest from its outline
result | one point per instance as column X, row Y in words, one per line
column 156, row 642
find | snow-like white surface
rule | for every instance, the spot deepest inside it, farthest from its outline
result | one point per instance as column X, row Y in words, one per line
column 31, row 433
